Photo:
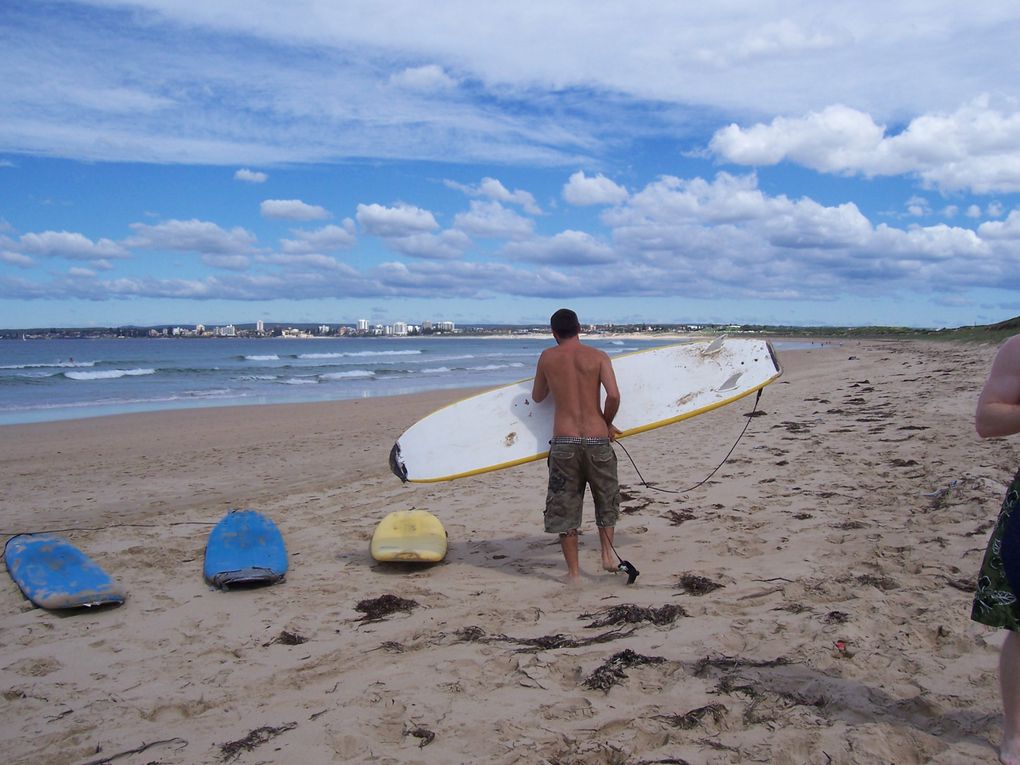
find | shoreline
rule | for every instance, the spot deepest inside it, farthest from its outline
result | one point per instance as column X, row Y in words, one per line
column 100, row 409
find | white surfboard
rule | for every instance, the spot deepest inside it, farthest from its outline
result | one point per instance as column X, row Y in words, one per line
column 503, row 427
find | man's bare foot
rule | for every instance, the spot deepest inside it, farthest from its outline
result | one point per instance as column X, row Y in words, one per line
column 572, row 580
column 611, row 567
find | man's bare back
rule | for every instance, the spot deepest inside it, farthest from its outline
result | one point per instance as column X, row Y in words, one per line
column 574, row 373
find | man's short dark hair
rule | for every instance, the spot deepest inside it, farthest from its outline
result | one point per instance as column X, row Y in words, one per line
column 565, row 323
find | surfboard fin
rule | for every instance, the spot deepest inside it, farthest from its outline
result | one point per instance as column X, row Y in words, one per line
column 715, row 346
column 397, row 464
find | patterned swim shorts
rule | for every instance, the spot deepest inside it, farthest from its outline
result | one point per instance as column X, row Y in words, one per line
column 573, row 464
column 995, row 602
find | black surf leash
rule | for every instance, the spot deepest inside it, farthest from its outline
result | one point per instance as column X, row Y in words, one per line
column 626, row 566
column 645, row 483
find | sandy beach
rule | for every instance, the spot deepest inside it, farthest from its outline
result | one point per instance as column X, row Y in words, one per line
column 808, row 604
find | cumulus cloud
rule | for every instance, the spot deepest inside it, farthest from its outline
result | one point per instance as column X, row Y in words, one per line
column 1008, row 229
column 494, row 189
column 582, row 190
column 327, row 239
column 975, row 148
column 250, row 176
column 292, row 209
column 16, row 259
column 314, row 261
column 491, row 219
column 192, row 236
column 446, row 245
column 398, row 221
column 567, row 248
column 67, row 244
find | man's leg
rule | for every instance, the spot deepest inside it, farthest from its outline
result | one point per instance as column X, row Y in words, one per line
column 568, row 543
column 1009, row 681
column 608, row 555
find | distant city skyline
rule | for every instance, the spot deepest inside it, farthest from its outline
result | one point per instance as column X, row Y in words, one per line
column 794, row 164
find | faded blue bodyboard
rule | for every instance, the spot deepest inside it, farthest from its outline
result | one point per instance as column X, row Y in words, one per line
column 54, row 574
column 245, row 549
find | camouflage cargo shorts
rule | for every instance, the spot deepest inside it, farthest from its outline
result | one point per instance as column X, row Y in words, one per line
column 573, row 465
column 995, row 601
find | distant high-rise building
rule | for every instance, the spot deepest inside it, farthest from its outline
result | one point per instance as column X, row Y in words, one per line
column 260, row 327
column 362, row 325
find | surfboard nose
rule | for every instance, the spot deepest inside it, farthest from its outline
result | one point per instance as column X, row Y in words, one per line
column 397, row 464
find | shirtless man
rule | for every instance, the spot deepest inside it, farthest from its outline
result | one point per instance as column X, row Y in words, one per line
column 996, row 600
column 581, row 451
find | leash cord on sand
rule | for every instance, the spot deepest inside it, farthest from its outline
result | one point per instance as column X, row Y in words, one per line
column 706, row 478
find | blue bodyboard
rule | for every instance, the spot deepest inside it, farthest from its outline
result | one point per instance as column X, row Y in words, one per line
column 54, row 574
column 245, row 549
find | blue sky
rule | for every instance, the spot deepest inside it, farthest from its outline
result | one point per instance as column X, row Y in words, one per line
column 184, row 161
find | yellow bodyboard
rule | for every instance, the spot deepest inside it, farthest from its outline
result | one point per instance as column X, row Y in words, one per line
column 410, row 536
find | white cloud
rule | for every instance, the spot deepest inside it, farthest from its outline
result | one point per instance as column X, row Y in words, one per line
column 192, row 236
column 66, row 244
column 399, row 221
column 494, row 189
column 253, row 83
column 327, row 239
column 292, row 209
column 773, row 39
column 1008, row 229
column 918, row 207
column 447, row 245
column 581, row 189
column 250, row 176
column 491, row 219
column 227, row 262
column 431, row 77
column 975, row 148
column 565, row 249
column 16, row 259
column 311, row 260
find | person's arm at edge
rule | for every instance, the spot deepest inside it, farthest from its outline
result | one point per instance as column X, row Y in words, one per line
column 998, row 409
column 540, row 388
column 607, row 377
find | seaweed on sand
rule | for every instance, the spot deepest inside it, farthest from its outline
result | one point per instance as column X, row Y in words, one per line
column 544, row 643
column 693, row 584
column 692, row 719
column 377, row 609
column 628, row 613
column 611, row 672
column 424, row 734
column 255, row 738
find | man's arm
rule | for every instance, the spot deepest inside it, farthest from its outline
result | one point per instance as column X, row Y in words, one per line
column 998, row 409
column 541, row 387
column 607, row 377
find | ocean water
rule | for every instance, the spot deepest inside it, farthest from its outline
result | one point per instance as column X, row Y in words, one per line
column 43, row 380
